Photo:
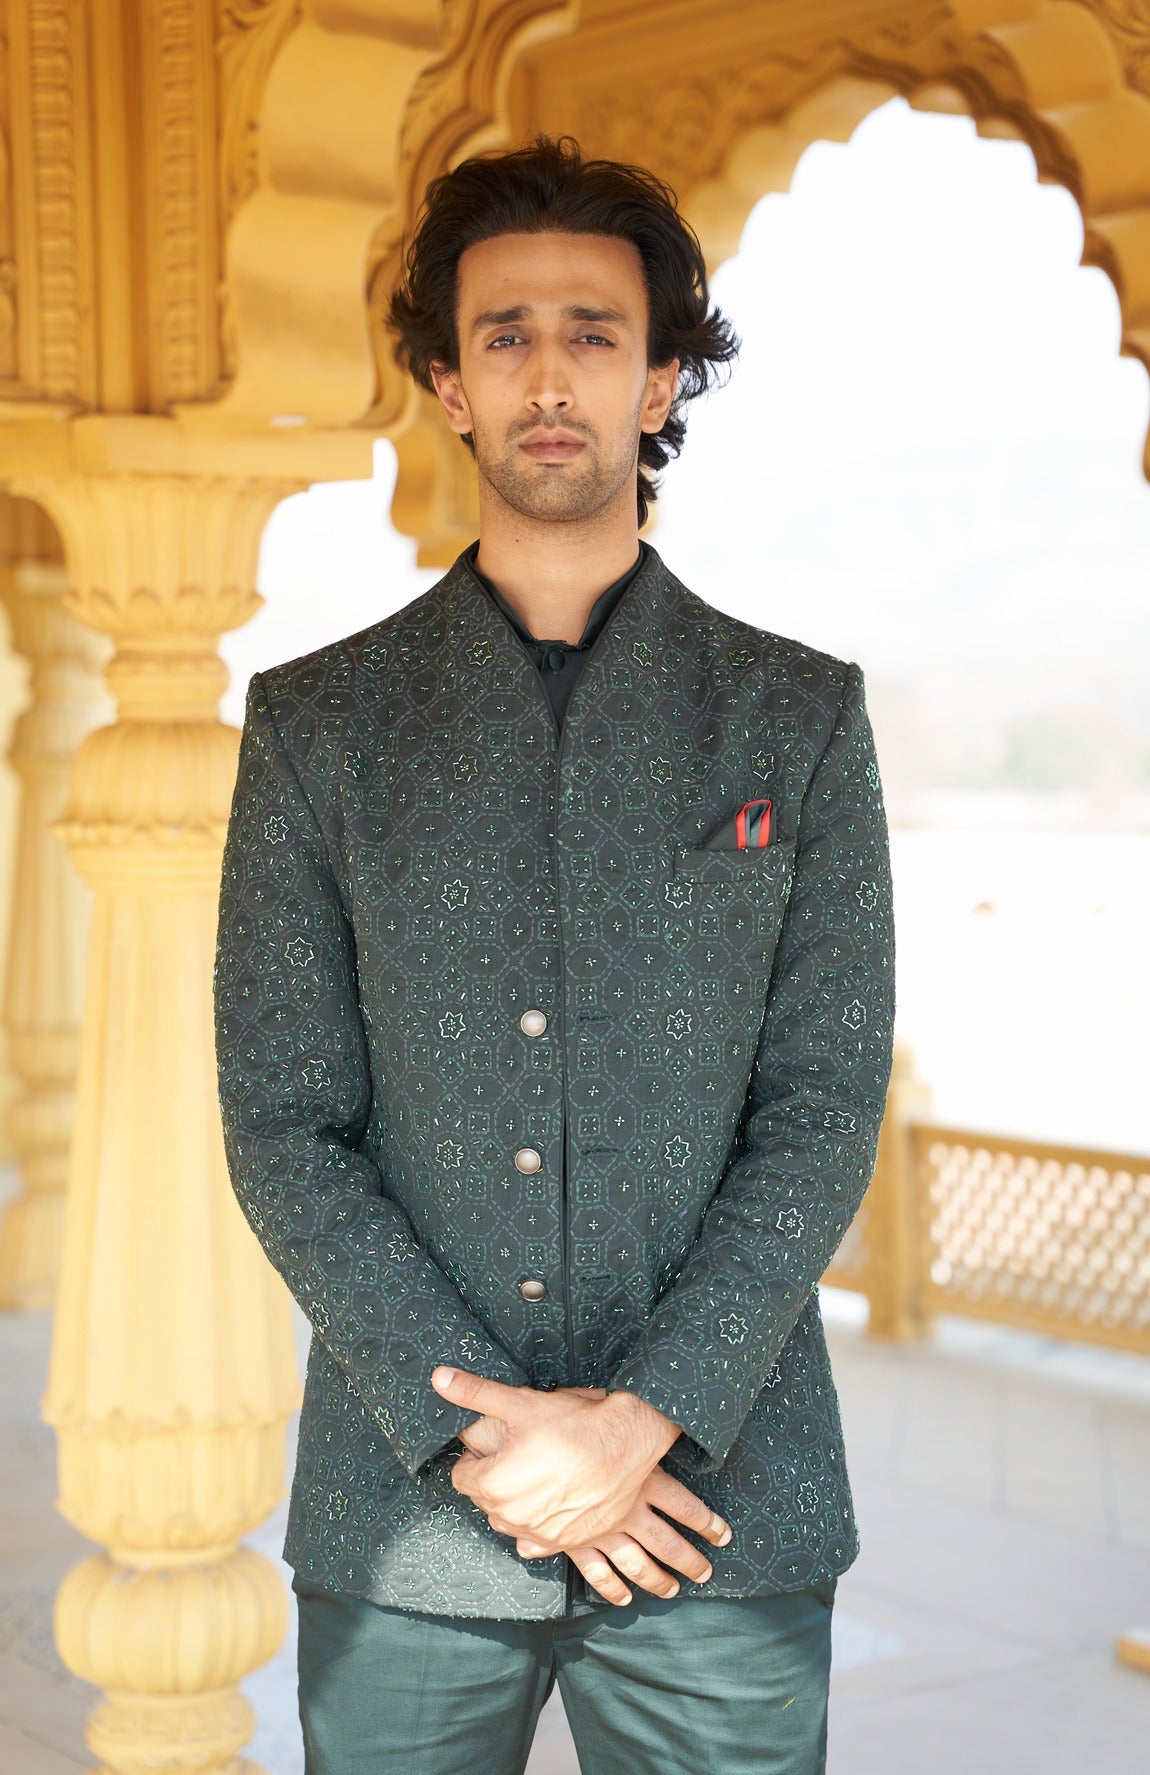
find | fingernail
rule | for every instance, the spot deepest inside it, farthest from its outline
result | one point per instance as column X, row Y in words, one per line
column 707, row 1574
column 623, row 1601
column 725, row 1536
column 442, row 1377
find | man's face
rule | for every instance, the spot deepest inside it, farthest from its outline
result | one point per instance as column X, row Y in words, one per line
column 553, row 382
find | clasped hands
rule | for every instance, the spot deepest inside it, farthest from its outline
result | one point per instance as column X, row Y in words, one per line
column 576, row 1471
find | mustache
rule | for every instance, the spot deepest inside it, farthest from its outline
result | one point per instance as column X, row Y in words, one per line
column 554, row 422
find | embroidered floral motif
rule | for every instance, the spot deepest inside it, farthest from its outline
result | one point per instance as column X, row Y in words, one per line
column 678, row 1023
column 451, row 1025
column 677, row 1151
column 854, row 1015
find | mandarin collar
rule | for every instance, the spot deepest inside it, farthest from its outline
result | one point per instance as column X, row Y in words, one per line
column 596, row 617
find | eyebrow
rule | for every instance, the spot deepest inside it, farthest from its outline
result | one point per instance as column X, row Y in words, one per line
column 503, row 317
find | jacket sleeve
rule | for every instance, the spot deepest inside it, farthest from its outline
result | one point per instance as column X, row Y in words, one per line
column 815, row 1102
column 295, row 1094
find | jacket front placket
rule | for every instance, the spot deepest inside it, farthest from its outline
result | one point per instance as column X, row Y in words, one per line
column 556, row 786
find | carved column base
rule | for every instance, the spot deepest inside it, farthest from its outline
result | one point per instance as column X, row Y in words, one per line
column 169, row 1648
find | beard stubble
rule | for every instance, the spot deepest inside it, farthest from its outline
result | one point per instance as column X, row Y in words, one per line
column 558, row 493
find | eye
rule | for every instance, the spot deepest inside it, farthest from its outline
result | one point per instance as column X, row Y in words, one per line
column 504, row 338
column 597, row 337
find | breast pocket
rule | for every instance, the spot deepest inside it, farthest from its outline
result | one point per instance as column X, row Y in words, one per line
column 767, row 868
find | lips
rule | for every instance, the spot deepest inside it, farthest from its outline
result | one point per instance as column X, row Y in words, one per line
column 553, row 449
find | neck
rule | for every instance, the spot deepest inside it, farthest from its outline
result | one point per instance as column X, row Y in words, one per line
column 552, row 573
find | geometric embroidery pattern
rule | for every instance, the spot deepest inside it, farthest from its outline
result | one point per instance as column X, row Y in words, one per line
column 416, row 856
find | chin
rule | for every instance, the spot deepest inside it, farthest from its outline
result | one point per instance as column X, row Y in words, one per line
column 556, row 502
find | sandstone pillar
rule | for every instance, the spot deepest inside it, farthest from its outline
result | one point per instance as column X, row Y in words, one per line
column 48, row 925
column 172, row 1369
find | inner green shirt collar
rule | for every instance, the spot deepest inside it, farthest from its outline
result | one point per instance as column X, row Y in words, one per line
column 597, row 616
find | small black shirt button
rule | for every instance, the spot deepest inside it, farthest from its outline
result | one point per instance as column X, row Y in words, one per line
column 555, row 658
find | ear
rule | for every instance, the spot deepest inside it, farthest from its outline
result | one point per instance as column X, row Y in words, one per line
column 452, row 398
column 662, row 384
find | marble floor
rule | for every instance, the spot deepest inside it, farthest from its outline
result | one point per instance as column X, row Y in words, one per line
column 1002, row 1485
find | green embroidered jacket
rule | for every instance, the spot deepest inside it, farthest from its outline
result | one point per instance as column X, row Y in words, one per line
column 521, row 1074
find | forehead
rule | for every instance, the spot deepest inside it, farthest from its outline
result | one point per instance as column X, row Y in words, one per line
column 551, row 271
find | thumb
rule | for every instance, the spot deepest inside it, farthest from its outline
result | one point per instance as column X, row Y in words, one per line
column 474, row 1392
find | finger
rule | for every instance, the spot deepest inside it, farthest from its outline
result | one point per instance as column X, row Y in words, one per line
column 467, row 1474
column 476, row 1393
column 667, row 1544
column 599, row 1574
column 531, row 1549
column 636, row 1563
column 675, row 1500
column 485, row 1436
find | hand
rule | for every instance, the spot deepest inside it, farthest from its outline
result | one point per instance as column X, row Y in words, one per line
column 485, row 1436
column 642, row 1534
column 569, row 1469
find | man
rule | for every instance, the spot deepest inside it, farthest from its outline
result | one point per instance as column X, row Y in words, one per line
column 554, row 1009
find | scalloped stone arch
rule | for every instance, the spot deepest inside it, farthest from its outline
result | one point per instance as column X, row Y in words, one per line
column 1061, row 90
column 1046, row 72
column 333, row 117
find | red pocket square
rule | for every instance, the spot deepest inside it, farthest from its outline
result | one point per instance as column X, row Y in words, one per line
column 748, row 828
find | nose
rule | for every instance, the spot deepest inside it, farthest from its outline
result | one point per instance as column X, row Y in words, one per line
column 548, row 383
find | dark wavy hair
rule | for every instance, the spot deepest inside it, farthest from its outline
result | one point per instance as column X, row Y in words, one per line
column 548, row 186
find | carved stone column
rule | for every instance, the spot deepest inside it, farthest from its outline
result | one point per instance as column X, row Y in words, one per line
column 48, row 926
column 172, row 1370
column 895, row 1254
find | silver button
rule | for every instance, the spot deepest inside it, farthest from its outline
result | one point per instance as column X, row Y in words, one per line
column 533, row 1289
column 527, row 1159
column 533, row 1022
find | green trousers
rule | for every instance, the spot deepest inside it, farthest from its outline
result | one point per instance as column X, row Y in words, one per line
column 663, row 1686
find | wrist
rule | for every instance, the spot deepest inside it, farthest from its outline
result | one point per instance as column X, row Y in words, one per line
column 642, row 1421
